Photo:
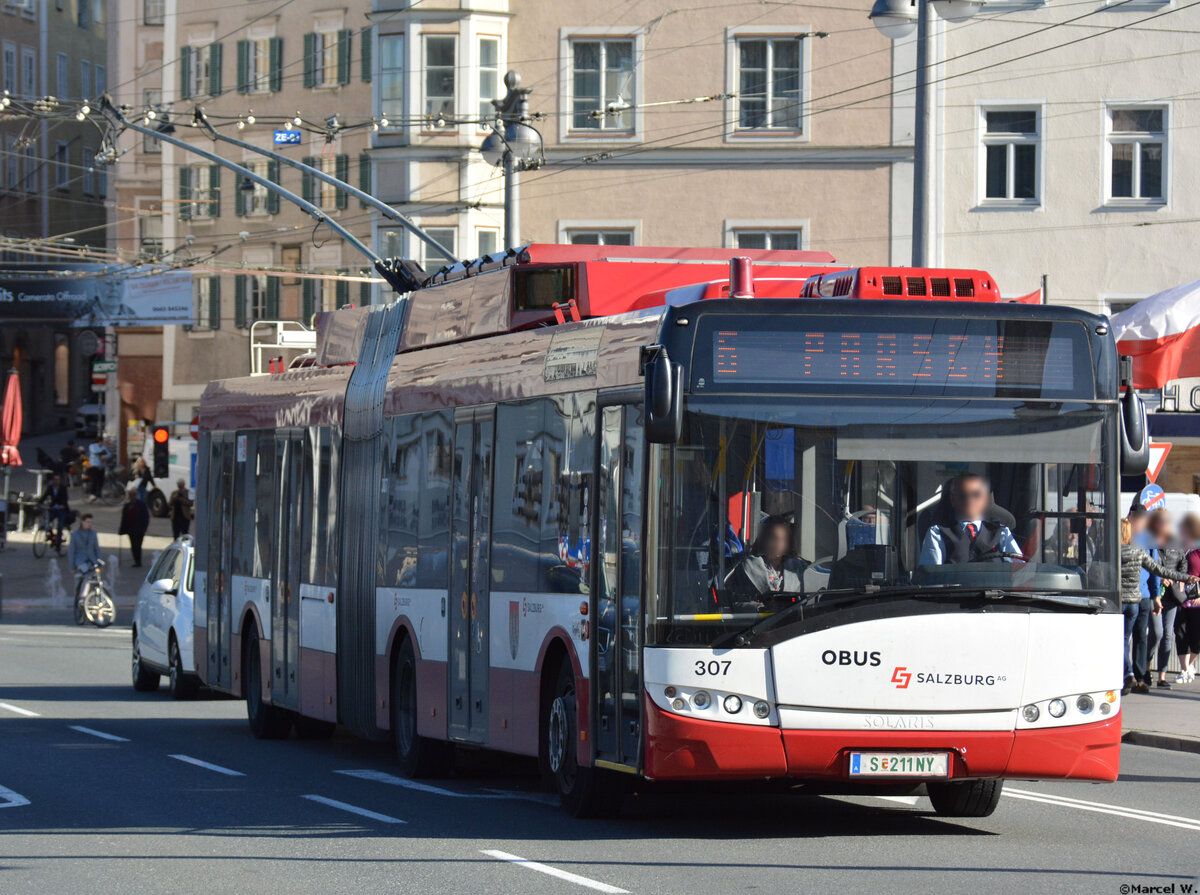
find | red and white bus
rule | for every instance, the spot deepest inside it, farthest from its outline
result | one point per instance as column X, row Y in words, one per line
column 660, row 514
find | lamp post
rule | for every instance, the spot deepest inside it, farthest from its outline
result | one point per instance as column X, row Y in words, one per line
column 514, row 145
column 897, row 19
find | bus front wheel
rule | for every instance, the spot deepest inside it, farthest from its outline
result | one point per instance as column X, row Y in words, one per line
column 267, row 722
column 417, row 756
column 972, row 798
column 584, row 792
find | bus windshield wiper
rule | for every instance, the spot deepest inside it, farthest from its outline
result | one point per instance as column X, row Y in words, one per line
column 1073, row 600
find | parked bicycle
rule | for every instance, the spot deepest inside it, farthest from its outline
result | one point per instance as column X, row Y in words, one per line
column 93, row 602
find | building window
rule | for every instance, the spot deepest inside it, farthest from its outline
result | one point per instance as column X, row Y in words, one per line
column 614, row 237
column 84, row 14
column 489, row 78
column 489, row 241
column 327, row 193
column 256, row 297
column 12, row 177
column 62, row 170
column 85, row 79
column 1117, row 305
column 1010, row 156
column 256, row 200
column 259, row 67
column 32, row 166
column 29, row 73
column 206, row 303
column 201, row 195
column 150, row 234
column 391, row 79
column 602, row 84
column 768, row 84
column 200, row 71
column 439, row 80
column 101, row 79
column 325, row 64
column 1137, row 142
column 62, row 82
column 153, row 12
column 87, row 181
column 447, row 236
column 152, row 99
column 788, row 240
column 10, row 69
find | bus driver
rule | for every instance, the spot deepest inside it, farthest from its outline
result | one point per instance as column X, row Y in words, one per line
column 970, row 537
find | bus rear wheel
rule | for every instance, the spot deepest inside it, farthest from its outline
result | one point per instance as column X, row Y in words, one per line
column 583, row 792
column 267, row 722
column 972, row 798
column 417, row 756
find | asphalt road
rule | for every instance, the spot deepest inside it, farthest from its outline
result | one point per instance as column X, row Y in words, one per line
column 103, row 790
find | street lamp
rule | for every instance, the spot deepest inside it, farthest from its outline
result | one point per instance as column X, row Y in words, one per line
column 897, row 19
column 518, row 147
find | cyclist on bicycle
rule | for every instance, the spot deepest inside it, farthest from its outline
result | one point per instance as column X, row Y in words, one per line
column 84, row 550
column 57, row 496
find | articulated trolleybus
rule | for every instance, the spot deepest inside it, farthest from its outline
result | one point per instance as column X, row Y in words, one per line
column 672, row 515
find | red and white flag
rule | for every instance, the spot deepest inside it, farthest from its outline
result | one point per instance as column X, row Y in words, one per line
column 1162, row 335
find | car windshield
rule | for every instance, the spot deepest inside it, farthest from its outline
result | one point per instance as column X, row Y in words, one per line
column 769, row 503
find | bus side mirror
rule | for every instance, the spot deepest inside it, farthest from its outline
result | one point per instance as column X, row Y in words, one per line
column 1135, row 436
column 664, row 397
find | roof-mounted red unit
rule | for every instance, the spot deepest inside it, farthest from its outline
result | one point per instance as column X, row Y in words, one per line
column 929, row 284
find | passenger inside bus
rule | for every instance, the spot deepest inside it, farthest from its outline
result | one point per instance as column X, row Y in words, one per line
column 771, row 566
column 971, row 531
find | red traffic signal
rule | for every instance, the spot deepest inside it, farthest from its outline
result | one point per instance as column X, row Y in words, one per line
column 161, row 459
column 161, row 435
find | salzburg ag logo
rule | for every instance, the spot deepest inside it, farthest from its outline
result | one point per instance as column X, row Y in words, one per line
column 901, row 677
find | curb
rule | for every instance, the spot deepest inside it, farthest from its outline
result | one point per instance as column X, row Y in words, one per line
column 1167, row 741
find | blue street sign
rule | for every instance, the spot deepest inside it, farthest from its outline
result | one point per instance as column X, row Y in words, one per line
column 284, row 138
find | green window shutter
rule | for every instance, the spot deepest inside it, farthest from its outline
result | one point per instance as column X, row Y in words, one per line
column 342, row 167
column 344, row 44
column 341, row 292
column 367, row 39
column 185, row 72
column 307, row 187
column 306, row 302
column 272, row 298
column 273, row 197
column 214, row 69
column 364, row 175
column 214, row 303
column 243, row 66
column 310, row 60
column 276, row 60
column 214, row 191
column 239, row 301
column 185, row 193
column 239, row 201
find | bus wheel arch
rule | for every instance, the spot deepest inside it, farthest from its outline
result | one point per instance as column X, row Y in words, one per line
column 267, row 722
column 418, row 756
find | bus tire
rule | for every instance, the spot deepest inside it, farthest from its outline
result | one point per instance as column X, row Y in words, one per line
column 417, row 756
column 972, row 798
column 267, row 722
column 583, row 792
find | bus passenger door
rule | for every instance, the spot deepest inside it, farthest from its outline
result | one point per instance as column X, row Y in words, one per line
column 615, row 584
column 285, row 609
column 220, row 557
column 470, row 575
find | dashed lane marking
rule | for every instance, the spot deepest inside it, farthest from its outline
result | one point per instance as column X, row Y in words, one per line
column 17, row 710
column 204, row 764
column 554, row 871
column 1152, row 817
column 354, row 809
column 98, row 733
column 10, row 799
column 393, row 780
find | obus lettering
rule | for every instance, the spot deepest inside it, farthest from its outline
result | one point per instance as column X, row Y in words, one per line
column 861, row 658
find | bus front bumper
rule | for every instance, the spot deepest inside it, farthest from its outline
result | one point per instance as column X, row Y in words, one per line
column 679, row 748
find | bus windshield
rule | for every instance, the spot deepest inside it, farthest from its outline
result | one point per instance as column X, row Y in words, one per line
column 812, row 505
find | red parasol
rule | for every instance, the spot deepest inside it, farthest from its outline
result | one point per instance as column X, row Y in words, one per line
column 10, row 422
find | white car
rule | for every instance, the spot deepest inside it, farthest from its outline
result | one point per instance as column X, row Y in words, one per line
column 162, row 624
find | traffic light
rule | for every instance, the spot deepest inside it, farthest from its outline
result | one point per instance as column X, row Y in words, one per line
column 162, row 453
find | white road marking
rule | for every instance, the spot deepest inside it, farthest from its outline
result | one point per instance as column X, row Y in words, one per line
column 18, row 710
column 204, row 764
column 354, row 809
column 10, row 799
column 554, row 871
column 903, row 800
column 1153, row 817
column 99, row 733
column 99, row 632
column 393, row 780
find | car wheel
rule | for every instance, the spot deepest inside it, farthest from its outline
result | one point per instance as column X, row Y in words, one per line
column 267, row 722
column 157, row 503
column 583, row 792
column 417, row 756
column 144, row 679
column 183, row 685
column 972, row 798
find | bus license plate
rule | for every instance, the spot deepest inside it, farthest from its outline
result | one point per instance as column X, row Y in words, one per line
column 899, row 764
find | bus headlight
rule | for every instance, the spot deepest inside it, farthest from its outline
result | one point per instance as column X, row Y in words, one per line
column 678, row 704
column 701, row 699
column 1085, row 704
column 1030, row 713
column 733, row 704
column 1105, row 708
column 1057, row 708
column 761, row 709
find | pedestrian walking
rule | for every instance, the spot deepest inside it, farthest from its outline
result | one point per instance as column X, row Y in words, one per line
column 135, row 519
column 1187, row 619
column 142, row 478
column 97, row 455
column 181, row 510
column 1172, row 554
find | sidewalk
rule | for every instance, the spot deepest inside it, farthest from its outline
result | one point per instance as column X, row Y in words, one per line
column 1164, row 719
